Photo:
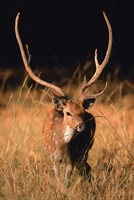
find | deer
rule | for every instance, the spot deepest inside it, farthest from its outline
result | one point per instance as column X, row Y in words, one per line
column 69, row 127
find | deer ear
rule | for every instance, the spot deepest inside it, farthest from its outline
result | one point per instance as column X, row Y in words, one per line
column 59, row 103
column 88, row 103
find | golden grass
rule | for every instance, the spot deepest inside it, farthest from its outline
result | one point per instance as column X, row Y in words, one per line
column 25, row 171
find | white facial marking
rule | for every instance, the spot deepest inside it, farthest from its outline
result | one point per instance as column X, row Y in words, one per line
column 69, row 133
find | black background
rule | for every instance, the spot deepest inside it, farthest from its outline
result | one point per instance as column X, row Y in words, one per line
column 64, row 32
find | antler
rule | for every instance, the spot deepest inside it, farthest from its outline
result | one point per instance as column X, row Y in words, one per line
column 99, row 67
column 54, row 88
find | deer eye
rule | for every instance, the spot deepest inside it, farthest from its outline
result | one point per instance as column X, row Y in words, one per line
column 68, row 114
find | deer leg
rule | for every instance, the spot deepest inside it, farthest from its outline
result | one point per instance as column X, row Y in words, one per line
column 68, row 172
column 85, row 171
column 56, row 159
column 56, row 171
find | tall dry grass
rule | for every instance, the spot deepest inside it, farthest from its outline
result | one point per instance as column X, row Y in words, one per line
column 25, row 170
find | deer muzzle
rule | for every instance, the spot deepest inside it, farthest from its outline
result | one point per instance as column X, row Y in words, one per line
column 80, row 127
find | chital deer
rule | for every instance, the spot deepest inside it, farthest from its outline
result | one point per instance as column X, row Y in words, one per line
column 68, row 128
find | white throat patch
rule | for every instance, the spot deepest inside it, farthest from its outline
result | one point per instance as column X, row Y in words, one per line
column 69, row 133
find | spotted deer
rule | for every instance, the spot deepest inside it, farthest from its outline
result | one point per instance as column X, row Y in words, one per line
column 68, row 128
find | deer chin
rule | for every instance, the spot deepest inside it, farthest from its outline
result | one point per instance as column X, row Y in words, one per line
column 69, row 134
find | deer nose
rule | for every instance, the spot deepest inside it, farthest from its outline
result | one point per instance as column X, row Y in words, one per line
column 80, row 127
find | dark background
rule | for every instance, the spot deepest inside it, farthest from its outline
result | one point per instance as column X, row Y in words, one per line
column 64, row 33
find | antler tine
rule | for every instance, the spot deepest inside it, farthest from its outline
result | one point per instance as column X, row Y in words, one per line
column 54, row 88
column 97, row 94
column 99, row 67
column 82, row 97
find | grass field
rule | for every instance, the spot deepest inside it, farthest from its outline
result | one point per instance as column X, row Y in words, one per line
column 25, row 170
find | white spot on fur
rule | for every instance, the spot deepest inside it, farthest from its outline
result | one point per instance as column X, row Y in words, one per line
column 69, row 133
